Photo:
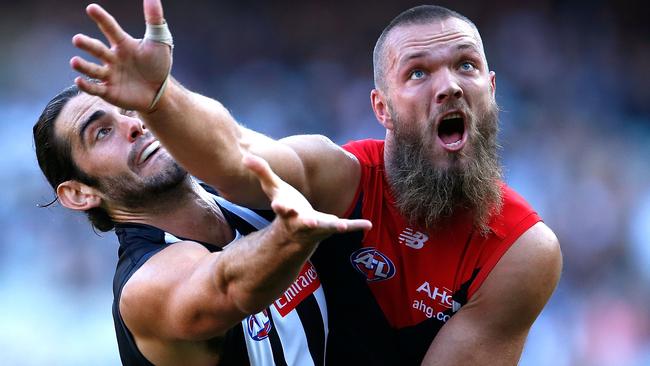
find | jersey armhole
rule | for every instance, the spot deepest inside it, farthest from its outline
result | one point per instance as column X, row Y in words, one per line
column 353, row 148
column 525, row 224
column 357, row 193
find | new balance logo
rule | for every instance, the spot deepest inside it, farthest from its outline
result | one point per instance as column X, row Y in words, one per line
column 413, row 239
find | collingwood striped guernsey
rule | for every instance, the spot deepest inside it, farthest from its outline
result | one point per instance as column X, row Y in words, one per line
column 291, row 331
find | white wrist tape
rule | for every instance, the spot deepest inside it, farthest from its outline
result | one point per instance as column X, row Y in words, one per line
column 160, row 33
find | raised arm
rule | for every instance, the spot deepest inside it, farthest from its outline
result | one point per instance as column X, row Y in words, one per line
column 492, row 327
column 199, row 132
column 202, row 135
column 185, row 293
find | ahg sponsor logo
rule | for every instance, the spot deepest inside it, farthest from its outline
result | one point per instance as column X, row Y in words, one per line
column 305, row 284
column 259, row 325
column 429, row 312
column 442, row 296
column 413, row 239
column 373, row 264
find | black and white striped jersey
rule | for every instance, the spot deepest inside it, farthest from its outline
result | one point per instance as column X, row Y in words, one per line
column 291, row 331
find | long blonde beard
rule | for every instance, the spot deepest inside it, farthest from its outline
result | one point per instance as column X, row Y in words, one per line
column 426, row 194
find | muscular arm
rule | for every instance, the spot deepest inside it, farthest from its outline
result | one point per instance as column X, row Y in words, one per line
column 492, row 327
column 202, row 135
column 185, row 297
column 199, row 132
column 187, row 293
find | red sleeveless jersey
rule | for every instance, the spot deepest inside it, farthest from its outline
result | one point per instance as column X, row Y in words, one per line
column 429, row 267
column 417, row 278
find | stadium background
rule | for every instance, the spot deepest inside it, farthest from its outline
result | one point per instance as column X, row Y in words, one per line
column 572, row 82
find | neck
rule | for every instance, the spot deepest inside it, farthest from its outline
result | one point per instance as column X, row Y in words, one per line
column 187, row 211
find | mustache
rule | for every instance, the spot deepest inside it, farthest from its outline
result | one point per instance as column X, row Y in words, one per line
column 453, row 105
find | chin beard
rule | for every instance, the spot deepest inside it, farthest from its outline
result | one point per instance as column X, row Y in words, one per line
column 427, row 194
column 147, row 193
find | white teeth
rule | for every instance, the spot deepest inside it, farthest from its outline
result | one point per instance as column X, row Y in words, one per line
column 454, row 144
column 148, row 151
column 453, row 115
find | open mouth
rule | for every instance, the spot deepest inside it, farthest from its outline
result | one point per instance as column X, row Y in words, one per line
column 452, row 132
column 148, row 152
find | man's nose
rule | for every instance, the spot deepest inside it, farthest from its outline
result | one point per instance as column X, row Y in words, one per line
column 135, row 128
column 447, row 87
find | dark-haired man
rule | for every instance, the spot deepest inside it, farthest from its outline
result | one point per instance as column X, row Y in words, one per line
column 182, row 281
column 457, row 266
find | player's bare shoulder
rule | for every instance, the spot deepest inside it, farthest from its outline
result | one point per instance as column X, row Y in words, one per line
column 540, row 248
column 333, row 173
column 527, row 274
column 147, row 291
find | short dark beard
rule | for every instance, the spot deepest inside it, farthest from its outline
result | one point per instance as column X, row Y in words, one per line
column 147, row 194
column 427, row 194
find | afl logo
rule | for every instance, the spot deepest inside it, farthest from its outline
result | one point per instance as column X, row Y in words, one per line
column 259, row 325
column 373, row 264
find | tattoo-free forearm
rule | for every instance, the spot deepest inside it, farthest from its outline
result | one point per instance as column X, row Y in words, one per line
column 255, row 270
column 202, row 136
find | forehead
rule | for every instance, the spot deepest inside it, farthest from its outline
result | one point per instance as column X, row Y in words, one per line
column 77, row 110
column 438, row 34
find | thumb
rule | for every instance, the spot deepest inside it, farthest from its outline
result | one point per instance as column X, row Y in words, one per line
column 258, row 166
column 153, row 12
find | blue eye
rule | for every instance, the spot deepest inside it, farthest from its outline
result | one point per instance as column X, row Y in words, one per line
column 103, row 132
column 467, row 66
column 416, row 75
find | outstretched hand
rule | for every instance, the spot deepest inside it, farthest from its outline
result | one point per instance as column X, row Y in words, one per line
column 303, row 223
column 132, row 70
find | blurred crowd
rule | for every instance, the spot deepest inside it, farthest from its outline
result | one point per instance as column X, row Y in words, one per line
column 572, row 84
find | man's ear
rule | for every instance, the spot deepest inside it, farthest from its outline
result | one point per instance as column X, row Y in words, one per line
column 78, row 196
column 380, row 107
column 493, row 82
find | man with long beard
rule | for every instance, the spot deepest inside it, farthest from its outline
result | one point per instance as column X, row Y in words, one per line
column 457, row 266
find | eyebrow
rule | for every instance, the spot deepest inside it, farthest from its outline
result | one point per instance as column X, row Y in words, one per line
column 405, row 60
column 461, row 47
column 468, row 46
column 84, row 126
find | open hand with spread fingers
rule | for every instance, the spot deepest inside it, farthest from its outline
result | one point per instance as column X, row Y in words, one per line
column 133, row 72
column 302, row 223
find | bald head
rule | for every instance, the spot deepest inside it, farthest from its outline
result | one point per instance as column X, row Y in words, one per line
column 418, row 15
